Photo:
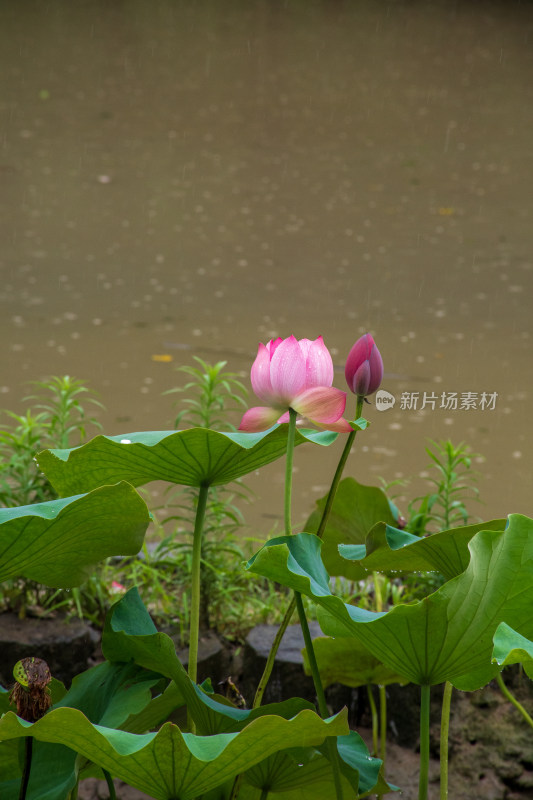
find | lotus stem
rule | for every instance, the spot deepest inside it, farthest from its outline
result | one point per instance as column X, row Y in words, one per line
column 235, row 789
column 28, row 747
column 110, row 785
column 195, row 588
column 375, row 723
column 264, row 794
column 424, row 741
column 383, row 722
column 512, row 699
column 288, row 471
column 321, row 697
column 444, row 734
column 267, row 672
column 382, row 728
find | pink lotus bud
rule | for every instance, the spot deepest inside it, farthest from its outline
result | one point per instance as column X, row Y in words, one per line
column 364, row 367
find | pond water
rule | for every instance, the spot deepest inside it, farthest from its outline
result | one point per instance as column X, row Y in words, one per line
column 183, row 178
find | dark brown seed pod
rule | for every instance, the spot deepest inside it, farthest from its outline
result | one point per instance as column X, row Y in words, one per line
column 31, row 693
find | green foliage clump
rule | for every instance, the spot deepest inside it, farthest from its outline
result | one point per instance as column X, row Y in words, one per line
column 58, row 417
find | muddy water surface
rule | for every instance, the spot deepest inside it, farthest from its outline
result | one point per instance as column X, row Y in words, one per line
column 181, row 178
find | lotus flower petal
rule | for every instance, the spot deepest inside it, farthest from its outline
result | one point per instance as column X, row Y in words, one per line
column 258, row 419
column 340, row 426
column 319, row 366
column 322, row 404
column 260, row 374
column 273, row 345
column 287, row 370
column 361, row 379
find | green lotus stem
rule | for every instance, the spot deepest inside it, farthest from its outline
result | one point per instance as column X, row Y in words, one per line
column 195, row 588
column 512, row 699
column 383, row 722
column 28, row 747
column 375, row 723
column 288, row 471
column 110, row 785
column 444, row 732
column 382, row 727
column 338, row 472
column 235, row 789
column 264, row 794
column 269, row 666
column 424, row 742
column 321, row 697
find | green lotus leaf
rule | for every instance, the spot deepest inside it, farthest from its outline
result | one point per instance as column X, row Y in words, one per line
column 193, row 457
column 349, row 662
column 446, row 636
column 355, row 511
column 512, row 648
column 170, row 765
column 58, row 543
column 306, row 773
column 129, row 633
column 354, row 756
column 295, row 773
column 390, row 550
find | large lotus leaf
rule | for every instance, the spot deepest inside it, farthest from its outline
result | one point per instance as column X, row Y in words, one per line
column 512, row 648
column 446, row 636
column 170, row 765
column 390, row 550
column 355, row 511
column 193, row 457
column 306, row 773
column 58, row 543
column 293, row 774
column 349, row 662
column 129, row 633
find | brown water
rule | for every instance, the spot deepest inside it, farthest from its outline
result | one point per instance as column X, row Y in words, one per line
column 181, row 178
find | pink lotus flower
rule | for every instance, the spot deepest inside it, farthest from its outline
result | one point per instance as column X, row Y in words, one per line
column 364, row 367
column 288, row 373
